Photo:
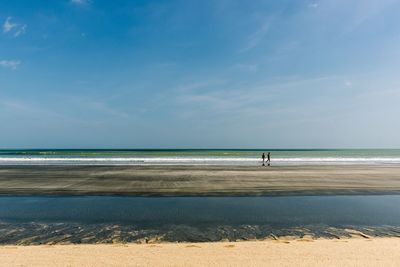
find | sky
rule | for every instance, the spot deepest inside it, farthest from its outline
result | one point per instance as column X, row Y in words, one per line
column 200, row 74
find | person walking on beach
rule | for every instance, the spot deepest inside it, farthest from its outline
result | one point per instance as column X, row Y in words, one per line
column 269, row 159
column 263, row 159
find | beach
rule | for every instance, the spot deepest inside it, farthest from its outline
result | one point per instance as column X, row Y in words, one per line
column 203, row 180
column 195, row 208
column 283, row 252
column 199, row 133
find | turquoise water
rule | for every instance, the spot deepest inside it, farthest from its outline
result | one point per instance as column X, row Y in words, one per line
column 199, row 156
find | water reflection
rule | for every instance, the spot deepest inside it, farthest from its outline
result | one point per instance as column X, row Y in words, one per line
column 127, row 219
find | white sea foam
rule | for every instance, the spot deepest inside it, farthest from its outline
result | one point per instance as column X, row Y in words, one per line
column 192, row 160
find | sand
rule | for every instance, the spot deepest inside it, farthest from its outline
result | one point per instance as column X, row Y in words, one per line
column 199, row 180
column 304, row 252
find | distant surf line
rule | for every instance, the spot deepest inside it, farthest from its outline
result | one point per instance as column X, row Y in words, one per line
column 40, row 160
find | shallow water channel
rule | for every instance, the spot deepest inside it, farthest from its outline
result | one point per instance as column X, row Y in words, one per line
column 106, row 219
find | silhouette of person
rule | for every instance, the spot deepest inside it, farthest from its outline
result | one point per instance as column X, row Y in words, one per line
column 263, row 159
column 269, row 158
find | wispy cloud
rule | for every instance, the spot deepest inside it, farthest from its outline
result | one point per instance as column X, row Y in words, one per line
column 365, row 10
column 348, row 83
column 245, row 67
column 32, row 110
column 203, row 84
column 230, row 102
column 94, row 105
column 20, row 31
column 83, row 111
column 80, row 2
column 18, row 106
column 10, row 64
column 101, row 107
column 10, row 27
column 256, row 37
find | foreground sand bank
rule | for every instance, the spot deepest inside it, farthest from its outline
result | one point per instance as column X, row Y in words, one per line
column 198, row 180
column 321, row 252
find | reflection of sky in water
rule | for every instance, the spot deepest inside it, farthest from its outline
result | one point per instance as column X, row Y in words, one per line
column 197, row 211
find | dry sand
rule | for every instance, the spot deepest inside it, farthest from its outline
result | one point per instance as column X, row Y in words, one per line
column 199, row 180
column 322, row 252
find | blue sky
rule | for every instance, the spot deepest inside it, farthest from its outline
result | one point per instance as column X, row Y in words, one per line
column 199, row 73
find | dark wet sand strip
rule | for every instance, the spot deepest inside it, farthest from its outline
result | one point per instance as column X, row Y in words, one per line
column 38, row 233
column 198, row 180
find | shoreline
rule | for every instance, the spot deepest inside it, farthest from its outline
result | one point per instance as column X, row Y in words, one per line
column 284, row 251
column 41, row 233
column 162, row 181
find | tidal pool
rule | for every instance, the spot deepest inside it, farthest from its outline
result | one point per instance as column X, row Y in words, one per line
column 126, row 219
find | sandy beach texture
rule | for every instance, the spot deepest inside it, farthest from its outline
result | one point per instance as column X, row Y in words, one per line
column 199, row 180
column 303, row 252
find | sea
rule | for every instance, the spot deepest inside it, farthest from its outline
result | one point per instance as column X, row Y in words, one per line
column 243, row 157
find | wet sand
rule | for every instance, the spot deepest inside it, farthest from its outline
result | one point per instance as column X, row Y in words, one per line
column 199, row 180
column 41, row 233
column 282, row 252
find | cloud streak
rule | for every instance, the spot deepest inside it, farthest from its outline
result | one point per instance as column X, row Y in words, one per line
column 10, row 27
column 10, row 64
column 244, row 102
column 245, row 67
column 21, row 30
column 80, row 2
column 256, row 37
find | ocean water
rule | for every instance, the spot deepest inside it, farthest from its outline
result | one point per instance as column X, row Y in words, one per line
column 198, row 156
